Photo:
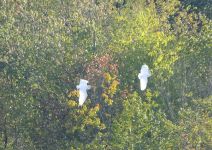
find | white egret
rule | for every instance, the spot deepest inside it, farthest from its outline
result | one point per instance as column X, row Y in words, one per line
column 83, row 87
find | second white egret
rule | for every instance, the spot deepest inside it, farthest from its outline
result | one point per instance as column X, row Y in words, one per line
column 143, row 76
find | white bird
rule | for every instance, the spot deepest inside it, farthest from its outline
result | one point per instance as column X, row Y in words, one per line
column 143, row 76
column 83, row 87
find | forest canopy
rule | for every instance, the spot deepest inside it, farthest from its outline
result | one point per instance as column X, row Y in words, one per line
column 47, row 46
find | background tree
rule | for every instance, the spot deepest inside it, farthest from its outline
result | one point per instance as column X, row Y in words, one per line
column 47, row 46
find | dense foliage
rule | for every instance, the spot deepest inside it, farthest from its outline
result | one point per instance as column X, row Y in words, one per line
column 46, row 46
